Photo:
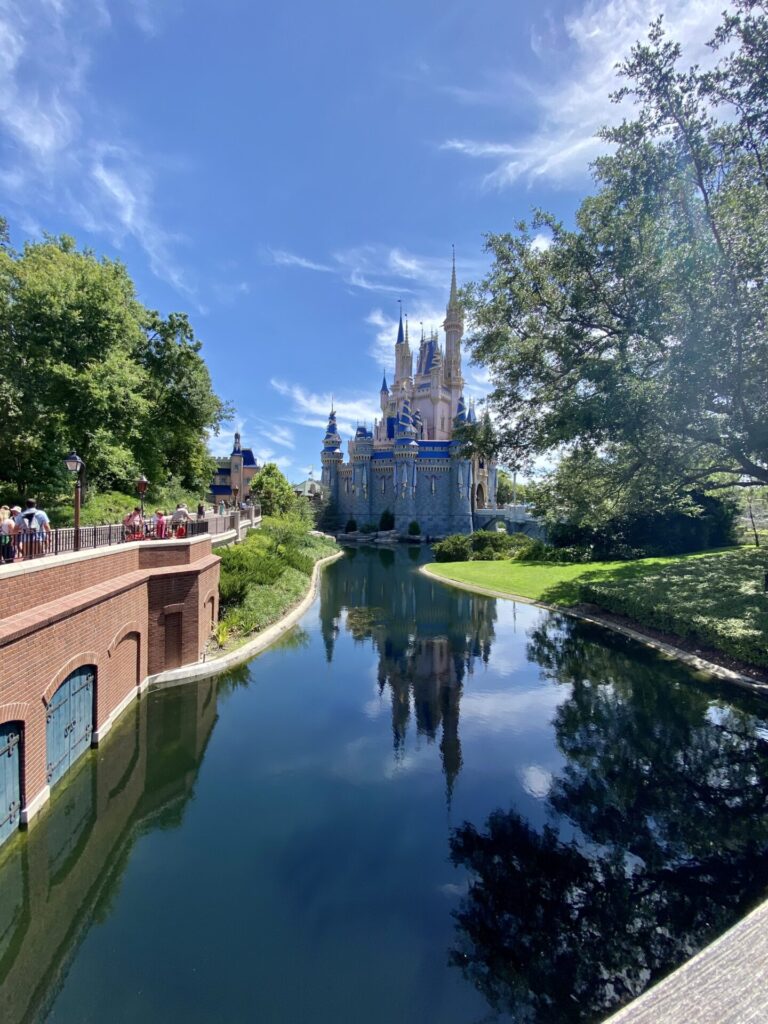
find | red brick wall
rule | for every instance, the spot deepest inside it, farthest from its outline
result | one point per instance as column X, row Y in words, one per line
column 52, row 623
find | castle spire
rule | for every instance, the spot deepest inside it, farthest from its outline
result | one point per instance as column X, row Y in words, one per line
column 400, row 335
column 454, row 298
column 384, row 387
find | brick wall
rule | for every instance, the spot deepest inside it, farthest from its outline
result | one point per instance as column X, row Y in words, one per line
column 129, row 611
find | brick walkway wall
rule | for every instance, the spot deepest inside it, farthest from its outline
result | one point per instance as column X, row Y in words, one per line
column 130, row 612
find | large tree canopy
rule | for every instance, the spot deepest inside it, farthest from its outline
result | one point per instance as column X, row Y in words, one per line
column 635, row 345
column 84, row 365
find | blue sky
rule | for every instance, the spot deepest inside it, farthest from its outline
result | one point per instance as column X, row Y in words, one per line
column 285, row 172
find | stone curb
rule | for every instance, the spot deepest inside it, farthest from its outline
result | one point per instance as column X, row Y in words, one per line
column 668, row 650
column 205, row 669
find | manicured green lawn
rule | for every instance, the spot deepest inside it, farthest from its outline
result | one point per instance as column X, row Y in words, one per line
column 714, row 598
column 550, row 582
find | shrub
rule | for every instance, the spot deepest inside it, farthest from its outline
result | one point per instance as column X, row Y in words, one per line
column 414, row 530
column 298, row 559
column 490, row 540
column 367, row 528
column 455, row 548
column 351, row 526
column 716, row 600
column 387, row 520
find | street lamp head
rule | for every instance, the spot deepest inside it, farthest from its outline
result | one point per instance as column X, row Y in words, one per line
column 141, row 485
column 73, row 462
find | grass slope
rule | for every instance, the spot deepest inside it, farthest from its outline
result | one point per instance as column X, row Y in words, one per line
column 715, row 598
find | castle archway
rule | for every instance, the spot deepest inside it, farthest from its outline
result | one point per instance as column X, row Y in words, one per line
column 480, row 496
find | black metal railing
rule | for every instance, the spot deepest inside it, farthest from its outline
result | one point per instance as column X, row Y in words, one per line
column 36, row 543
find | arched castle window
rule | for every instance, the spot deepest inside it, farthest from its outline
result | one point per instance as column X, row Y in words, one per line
column 383, row 485
column 433, row 484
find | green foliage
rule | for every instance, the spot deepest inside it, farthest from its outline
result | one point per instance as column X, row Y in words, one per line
column 456, row 548
column 351, row 526
column 367, row 528
column 414, row 530
column 483, row 541
column 386, row 520
column 274, row 492
column 637, row 340
column 265, row 574
column 507, row 492
column 221, row 633
column 84, row 365
column 98, row 510
column 715, row 600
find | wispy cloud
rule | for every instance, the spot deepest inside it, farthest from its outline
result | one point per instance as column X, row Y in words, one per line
column 311, row 408
column 283, row 258
column 67, row 154
column 573, row 108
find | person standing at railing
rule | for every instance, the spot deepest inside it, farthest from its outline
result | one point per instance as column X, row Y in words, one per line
column 134, row 525
column 7, row 530
column 179, row 521
column 159, row 524
column 201, row 510
column 35, row 528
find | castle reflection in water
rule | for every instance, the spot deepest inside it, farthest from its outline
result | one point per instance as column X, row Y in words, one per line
column 428, row 637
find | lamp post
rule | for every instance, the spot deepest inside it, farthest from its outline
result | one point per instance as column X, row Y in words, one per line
column 75, row 465
column 141, row 486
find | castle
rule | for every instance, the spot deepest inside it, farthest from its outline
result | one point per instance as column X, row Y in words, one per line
column 410, row 464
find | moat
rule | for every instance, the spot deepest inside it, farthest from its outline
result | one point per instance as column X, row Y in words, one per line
column 423, row 805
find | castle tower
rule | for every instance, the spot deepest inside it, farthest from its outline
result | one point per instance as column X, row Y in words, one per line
column 384, row 394
column 406, row 454
column 331, row 458
column 453, row 326
column 403, row 357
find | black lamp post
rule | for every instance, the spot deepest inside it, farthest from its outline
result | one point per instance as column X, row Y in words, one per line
column 141, row 486
column 75, row 465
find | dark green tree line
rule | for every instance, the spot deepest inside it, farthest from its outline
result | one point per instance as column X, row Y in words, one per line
column 84, row 365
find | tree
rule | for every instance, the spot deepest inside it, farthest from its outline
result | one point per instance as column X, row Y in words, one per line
column 507, row 491
column 84, row 365
column 637, row 341
column 274, row 492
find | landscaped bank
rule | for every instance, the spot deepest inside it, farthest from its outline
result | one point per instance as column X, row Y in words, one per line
column 265, row 576
column 715, row 599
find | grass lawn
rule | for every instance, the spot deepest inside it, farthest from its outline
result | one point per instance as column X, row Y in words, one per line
column 715, row 598
column 550, row 582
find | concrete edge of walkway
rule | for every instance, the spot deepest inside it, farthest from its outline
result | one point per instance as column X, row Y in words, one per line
column 205, row 669
column 710, row 668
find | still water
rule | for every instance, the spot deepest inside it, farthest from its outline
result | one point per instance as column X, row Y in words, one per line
column 425, row 806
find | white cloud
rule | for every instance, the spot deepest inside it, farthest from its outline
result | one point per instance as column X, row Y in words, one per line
column 68, row 154
column 311, row 409
column 283, row 258
column 577, row 105
column 541, row 242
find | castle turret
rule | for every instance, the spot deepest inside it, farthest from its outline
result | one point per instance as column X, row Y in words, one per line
column 384, row 394
column 331, row 457
column 406, row 454
column 403, row 357
column 454, row 329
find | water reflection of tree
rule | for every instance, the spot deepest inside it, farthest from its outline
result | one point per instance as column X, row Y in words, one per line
column 427, row 637
column 667, row 784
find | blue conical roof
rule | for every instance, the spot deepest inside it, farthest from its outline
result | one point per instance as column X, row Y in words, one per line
column 384, row 384
column 400, row 333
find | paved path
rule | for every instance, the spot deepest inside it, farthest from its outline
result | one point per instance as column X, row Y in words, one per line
column 727, row 983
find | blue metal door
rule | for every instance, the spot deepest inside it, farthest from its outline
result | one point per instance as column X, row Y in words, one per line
column 10, row 790
column 69, row 722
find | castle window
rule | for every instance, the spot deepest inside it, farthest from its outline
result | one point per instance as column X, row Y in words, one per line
column 346, row 486
column 383, row 485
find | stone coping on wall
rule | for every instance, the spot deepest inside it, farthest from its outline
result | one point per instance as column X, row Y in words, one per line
column 668, row 650
column 49, row 561
column 205, row 669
